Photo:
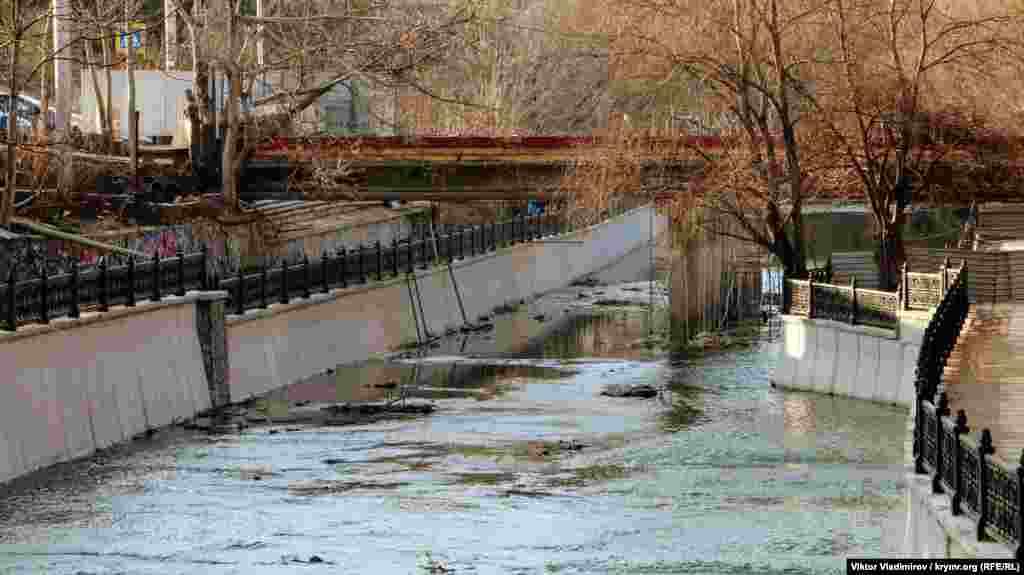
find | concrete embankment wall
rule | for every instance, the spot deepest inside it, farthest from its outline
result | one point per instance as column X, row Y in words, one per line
column 75, row 386
column 853, row 361
column 289, row 342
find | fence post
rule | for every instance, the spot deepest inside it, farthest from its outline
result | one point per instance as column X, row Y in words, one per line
column 409, row 265
column 424, row 253
column 75, row 311
column 945, row 278
column 181, row 274
column 462, row 244
column 131, row 282
column 394, row 255
column 240, row 292
column 853, row 300
column 984, row 448
column 380, row 261
column 325, row 286
column 919, row 427
column 283, row 296
column 204, row 283
column 12, row 302
column 343, row 267
column 905, row 287
column 104, row 287
column 263, row 285
column 307, row 276
column 958, row 462
column 156, row 276
column 940, row 412
column 810, row 296
column 1020, row 507
column 361, row 276
column 451, row 247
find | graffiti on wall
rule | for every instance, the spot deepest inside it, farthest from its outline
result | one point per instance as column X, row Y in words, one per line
column 223, row 253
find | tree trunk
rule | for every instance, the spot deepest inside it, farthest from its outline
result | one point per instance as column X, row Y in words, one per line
column 7, row 209
column 230, row 160
column 891, row 255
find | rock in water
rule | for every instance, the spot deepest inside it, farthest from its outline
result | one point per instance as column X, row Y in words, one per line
column 622, row 390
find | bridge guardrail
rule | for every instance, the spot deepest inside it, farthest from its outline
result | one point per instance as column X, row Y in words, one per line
column 40, row 299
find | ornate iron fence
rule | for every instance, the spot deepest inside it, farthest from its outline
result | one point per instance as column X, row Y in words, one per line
column 853, row 305
column 848, row 304
column 979, row 484
column 47, row 296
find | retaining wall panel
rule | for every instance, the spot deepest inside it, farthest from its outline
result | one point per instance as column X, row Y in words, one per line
column 822, row 376
column 867, row 369
column 847, row 352
column 890, row 370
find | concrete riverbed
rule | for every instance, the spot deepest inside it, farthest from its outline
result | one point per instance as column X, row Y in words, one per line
column 522, row 467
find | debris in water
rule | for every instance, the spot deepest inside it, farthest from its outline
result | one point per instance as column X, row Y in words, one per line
column 623, row 390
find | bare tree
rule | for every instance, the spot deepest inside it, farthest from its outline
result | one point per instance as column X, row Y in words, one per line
column 901, row 99
column 736, row 64
column 313, row 46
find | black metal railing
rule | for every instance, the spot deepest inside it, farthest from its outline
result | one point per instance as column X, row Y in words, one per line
column 979, row 484
column 40, row 299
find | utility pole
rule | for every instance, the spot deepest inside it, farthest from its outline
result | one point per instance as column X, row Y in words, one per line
column 133, row 124
column 61, row 71
column 170, row 35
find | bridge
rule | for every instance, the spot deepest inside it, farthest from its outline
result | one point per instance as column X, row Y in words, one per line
column 492, row 168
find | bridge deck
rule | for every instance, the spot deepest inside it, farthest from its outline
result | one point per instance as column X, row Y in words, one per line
column 985, row 375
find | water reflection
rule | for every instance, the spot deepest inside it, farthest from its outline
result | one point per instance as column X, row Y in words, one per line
column 608, row 334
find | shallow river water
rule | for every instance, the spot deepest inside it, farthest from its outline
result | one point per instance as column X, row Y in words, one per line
column 523, row 468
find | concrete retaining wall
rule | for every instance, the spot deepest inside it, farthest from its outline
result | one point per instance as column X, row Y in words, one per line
column 72, row 387
column 853, row 361
column 289, row 342
column 75, row 386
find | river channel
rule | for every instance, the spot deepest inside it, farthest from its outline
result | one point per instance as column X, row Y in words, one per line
column 522, row 468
